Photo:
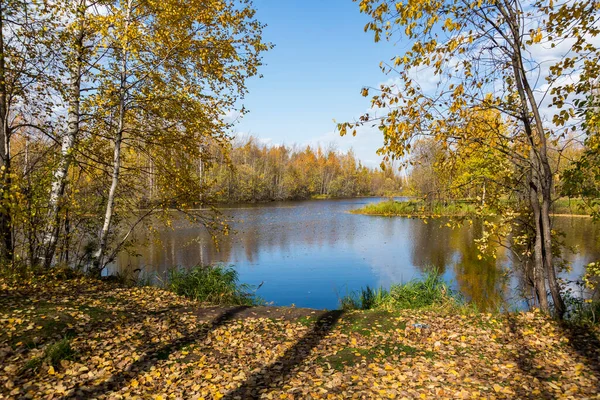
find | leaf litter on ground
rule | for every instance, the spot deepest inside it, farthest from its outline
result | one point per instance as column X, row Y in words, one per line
column 83, row 338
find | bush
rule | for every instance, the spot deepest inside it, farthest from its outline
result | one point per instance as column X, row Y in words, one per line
column 211, row 284
column 429, row 292
column 583, row 306
column 366, row 299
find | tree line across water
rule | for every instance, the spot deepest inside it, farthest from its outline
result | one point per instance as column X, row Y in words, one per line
column 258, row 172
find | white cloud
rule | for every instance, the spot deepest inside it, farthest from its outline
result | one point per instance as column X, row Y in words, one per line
column 232, row 116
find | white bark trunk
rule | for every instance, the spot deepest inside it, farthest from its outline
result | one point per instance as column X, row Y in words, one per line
column 5, row 217
column 60, row 175
column 110, row 203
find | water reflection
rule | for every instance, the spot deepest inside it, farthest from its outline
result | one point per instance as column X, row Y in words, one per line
column 311, row 253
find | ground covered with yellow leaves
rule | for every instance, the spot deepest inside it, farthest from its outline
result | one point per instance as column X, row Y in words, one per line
column 81, row 338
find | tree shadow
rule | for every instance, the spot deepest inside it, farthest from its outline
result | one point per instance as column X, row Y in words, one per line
column 151, row 358
column 281, row 370
column 585, row 342
column 526, row 362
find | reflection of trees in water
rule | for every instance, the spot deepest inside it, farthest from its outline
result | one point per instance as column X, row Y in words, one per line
column 285, row 233
column 482, row 281
column 583, row 233
column 435, row 244
column 580, row 245
column 255, row 231
column 432, row 246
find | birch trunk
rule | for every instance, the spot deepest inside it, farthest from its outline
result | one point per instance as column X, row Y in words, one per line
column 108, row 214
column 59, row 181
column 6, row 252
column 98, row 263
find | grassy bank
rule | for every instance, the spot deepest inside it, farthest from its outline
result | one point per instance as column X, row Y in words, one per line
column 365, row 196
column 83, row 338
column 416, row 209
column 566, row 206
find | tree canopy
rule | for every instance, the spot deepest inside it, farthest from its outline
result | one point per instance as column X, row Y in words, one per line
column 484, row 57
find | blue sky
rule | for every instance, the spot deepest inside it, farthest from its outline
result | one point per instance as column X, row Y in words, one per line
column 321, row 60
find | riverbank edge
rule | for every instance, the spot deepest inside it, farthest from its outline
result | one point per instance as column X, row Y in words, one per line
column 372, row 209
column 357, row 212
column 132, row 341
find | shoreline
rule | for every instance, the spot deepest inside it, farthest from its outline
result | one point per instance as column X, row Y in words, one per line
column 421, row 209
column 450, row 215
column 83, row 338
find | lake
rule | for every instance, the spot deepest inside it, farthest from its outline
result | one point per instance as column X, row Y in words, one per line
column 311, row 253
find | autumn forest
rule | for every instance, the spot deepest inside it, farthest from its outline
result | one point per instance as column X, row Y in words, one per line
column 193, row 206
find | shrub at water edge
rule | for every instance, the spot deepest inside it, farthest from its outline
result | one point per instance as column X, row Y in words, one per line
column 211, row 284
column 429, row 292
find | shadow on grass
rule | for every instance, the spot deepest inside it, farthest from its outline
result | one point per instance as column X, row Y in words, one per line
column 152, row 357
column 585, row 342
column 280, row 371
column 526, row 362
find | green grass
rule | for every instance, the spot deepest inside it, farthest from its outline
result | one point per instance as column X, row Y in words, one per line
column 52, row 322
column 365, row 299
column 420, row 208
column 431, row 292
column 367, row 322
column 569, row 206
column 417, row 208
column 60, row 350
column 53, row 355
column 305, row 320
column 217, row 285
column 351, row 356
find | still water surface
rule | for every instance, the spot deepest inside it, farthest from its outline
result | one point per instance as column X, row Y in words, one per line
column 311, row 253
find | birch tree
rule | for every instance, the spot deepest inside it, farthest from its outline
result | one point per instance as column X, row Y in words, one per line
column 77, row 58
column 25, row 67
column 180, row 66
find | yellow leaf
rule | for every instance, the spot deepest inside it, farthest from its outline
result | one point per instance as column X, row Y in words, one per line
column 51, row 370
column 497, row 388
